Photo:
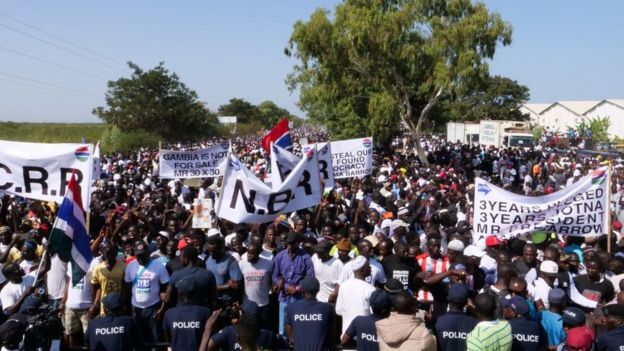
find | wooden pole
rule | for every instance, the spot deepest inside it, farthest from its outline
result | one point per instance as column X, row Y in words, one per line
column 609, row 232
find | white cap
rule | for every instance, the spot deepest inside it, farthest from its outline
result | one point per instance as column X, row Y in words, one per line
column 402, row 211
column 164, row 233
column 382, row 178
column 213, row 232
column 472, row 250
column 549, row 267
column 397, row 223
column 386, row 223
column 358, row 263
column 456, row 245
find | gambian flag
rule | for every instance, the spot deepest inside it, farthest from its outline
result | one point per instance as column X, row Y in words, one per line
column 69, row 237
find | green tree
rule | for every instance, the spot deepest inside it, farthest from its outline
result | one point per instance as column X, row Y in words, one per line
column 245, row 111
column 597, row 127
column 157, row 102
column 491, row 98
column 373, row 64
column 271, row 113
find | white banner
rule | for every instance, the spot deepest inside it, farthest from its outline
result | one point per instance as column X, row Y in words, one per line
column 202, row 163
column 581, row 209
column 202, row 213
column 42, row 171
column 246, row 199
column 325, row 162
column 352, row 158
column 282, row 163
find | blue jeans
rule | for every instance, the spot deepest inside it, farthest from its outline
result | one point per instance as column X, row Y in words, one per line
column 147, row 325
column 282, row 312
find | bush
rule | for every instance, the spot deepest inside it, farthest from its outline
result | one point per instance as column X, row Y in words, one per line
column 114, row 139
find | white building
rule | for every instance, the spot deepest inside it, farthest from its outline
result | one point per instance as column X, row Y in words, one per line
column 560, row 115
column 227, row 119
column 534, row 110
column 613, row 108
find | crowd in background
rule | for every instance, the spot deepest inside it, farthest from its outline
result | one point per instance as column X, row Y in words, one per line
column 387, row 262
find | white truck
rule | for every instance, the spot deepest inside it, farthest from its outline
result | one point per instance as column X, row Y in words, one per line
column 463, row 132
column 492, row 133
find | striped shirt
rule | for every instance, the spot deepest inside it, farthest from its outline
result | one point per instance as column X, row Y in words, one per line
column 490, row 336
column 435, row 266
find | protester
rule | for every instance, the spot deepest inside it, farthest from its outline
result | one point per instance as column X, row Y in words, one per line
column 410, row 221
column 402, row 330
column 490, row 333
column 354, row 294
column 363, row 328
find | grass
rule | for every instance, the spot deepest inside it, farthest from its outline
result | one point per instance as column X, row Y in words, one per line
column 51, row 132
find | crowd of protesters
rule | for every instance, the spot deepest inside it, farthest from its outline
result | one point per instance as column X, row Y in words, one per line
column 387, row 262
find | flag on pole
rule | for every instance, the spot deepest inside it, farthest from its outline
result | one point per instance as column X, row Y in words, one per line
column 69, row 237
column 279, row 135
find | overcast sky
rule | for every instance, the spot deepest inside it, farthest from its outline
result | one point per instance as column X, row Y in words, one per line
column 58, row 55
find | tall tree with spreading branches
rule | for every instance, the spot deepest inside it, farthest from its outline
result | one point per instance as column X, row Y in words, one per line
column 373, row 65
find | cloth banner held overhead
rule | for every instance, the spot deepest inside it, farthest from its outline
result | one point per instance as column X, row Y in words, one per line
column 42, row 171
column 246, row 199
column 581, row 209
column 282, row 163
column 325, row 162
column 201, row 163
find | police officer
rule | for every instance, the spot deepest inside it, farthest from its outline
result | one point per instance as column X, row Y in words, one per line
column 230, row 339
column 363, row 328
column 613, row 320
column 452, row 328
column 184, row 324
column 112, row 331
column 308, row 321
column 527, row 334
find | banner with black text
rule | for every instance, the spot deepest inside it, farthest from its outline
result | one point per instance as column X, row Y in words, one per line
column 201, row 163
column 580, row 209
column 42, row 171
column 246, row 199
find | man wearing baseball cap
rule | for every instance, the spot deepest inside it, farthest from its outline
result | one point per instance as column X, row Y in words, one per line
column 539, row 288
column 552, row 320
column 452, row 328
column 112, row 331
column 527, row 334
column 579, row 339
column 613, row 320
column 309, row 323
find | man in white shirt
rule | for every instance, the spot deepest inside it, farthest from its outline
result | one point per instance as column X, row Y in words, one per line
column 539, row 288
column 148, row 280
column 77, row 299
column 354, row 294
column 18, row 287
column 257, row 273
column 327, row 270
column 377, row 277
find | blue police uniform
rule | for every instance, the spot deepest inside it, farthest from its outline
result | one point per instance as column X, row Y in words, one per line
column 310, row 321
column 111, row 333
column 364, row 331
column 613, row 340
column 527, row 334
column 553, row 325
column 185, row 323
column 452, row 329
column 227, row 340
column 203, row 281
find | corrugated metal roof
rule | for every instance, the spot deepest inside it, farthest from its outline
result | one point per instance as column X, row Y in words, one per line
column 579, row 107
column 536, row 108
